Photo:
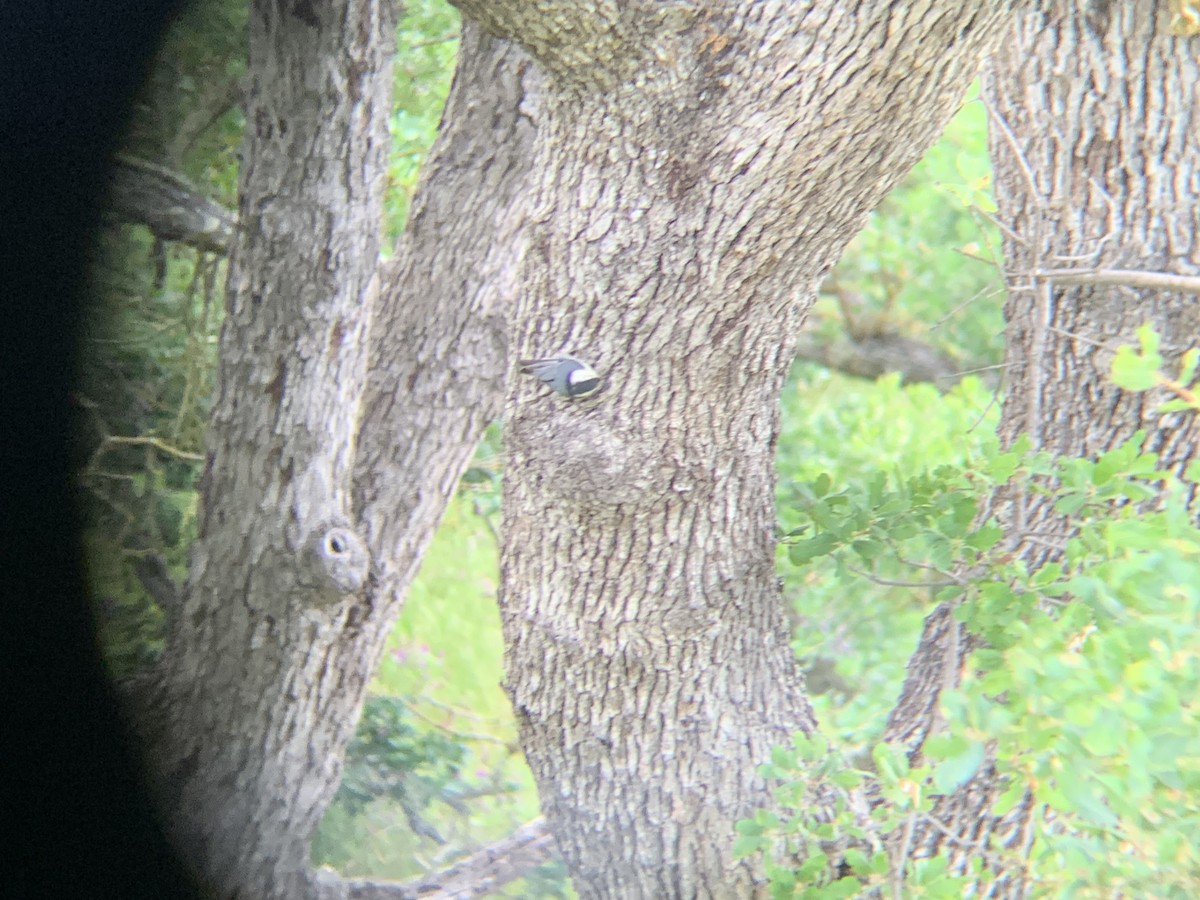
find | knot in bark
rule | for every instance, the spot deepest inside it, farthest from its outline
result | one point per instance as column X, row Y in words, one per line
column 337, row 559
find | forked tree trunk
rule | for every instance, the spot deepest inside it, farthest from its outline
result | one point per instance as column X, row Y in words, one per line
column 311, row 525
column 697, row 173
column 245, row 734
column 1095, row 112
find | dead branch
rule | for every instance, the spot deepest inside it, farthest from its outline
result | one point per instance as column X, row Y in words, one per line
column 147, row 194
column 1162, row 281
column 880, row 354
column 478, row 875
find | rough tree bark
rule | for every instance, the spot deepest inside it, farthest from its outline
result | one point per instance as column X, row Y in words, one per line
column 243, row 732
column 1094, row 117
column 699, row 169
column 168, row 205
column 1097, row 166
column 312, row 525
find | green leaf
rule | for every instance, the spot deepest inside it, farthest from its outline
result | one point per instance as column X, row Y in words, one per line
column 957, row 770
column 810, row 748
column 783, row 881
column 1070, row 504
column 767, row 819
column 1003, row 466
column 1083, row 800
column 1047, row 575
column 930, row 870
column 875, row 488
column 868, row 550
column 748, row 828
column 821, row 486
column 746, row 844
column 1103, row 740
column 891, row 762
column 843, row 887
column 943, row 746
column 805, row 551
column 847, row 778
column 1135, row 372
column 1012, row 795
column 1174, row 406
column 1149, row 340
column 1187, row 365
column 857, row 861
column 782, row 758
column 985, row 537
column 812, row 867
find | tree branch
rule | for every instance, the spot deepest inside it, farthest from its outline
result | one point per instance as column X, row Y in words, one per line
column 445, row 297
column 1162, row 281
column 583, row 43
column 155, row 577
column 114, row 440
column 480, row 874
column 147, row 194
column 880, row 354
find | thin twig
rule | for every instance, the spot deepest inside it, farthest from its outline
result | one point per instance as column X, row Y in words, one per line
column 984, row 292
column 978, row 369
column 460, row 713
column 1002, row 226
column 902, row 861
column 1018, row 154
column 905, row 584
column 995, row 398
column 154, row 442
column 955, row 579
column 1079, row 337
column 1184, row 393
column 431, row 42
column 1162, row 281
column 993, row 859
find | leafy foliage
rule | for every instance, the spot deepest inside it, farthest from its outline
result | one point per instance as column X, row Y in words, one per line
column 1141, row 369
column 854, row 631
column 926, row 264
column 388, row 757
column 141, row 407
column 1081, row 699
column 444, row 663
column 426, row 43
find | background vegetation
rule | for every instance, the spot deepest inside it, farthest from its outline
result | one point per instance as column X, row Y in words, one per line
column 878, row 483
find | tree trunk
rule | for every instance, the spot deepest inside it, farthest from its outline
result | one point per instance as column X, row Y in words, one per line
column 1094, row 119
column 305, row 548
column 697, row 174
column 248, row 730
column 1101, row 109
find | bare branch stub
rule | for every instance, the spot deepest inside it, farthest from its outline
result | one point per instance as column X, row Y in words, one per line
column 480, row 874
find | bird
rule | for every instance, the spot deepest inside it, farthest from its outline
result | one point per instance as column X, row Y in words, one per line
column 565, row 375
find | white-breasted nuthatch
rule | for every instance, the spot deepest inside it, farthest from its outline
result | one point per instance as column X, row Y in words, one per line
column 566, row 375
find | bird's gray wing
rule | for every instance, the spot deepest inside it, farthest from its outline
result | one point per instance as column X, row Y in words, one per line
column 541, row 369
